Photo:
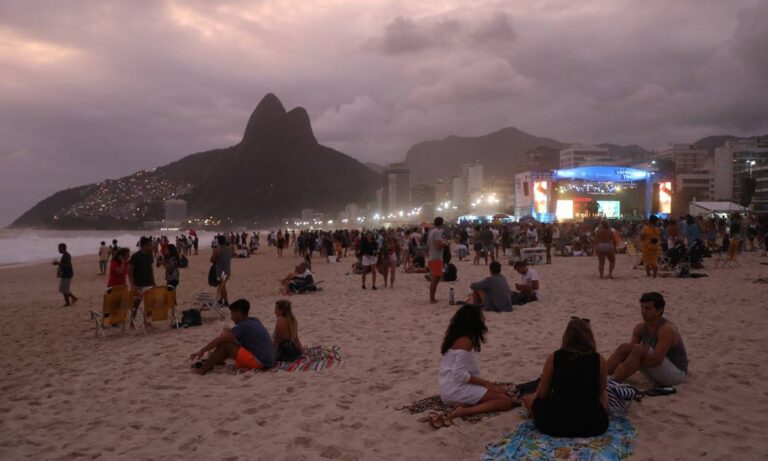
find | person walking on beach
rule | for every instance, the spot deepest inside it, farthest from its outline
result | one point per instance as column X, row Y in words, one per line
column 605, row 247
column 65, row 272
column 369, row 251
column 222, row 259
column 104, row 254
column 435, row 254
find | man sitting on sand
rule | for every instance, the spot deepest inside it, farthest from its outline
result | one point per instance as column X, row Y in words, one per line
column 248, row 343
column 492, row 292
column 528, row 288
column 300, row 278
column 656, row 348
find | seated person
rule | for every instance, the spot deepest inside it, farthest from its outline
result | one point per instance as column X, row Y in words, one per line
column 298, row 280
column 242, row 252
column 248, row 343
column 459, row 376
column 286, row 337
column 676, row 253
column 418, row 265
column 656, row 348
column 462, row 251
column 528, row 288
column 571, row 400
column 492, row 292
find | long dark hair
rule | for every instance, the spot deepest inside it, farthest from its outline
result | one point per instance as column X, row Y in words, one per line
column 578, row 337
column 467, row 321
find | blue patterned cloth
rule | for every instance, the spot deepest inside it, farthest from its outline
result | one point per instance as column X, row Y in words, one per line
column 528, row 444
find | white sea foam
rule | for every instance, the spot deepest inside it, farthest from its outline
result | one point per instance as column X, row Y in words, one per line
column 19, row 246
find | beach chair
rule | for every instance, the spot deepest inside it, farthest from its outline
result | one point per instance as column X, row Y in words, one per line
column 665, row 263
column 115, row 307
column 207, row 300
column 722, row 261
column 160, row 304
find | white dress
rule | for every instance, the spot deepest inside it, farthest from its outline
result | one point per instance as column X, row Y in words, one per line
column 455, row 370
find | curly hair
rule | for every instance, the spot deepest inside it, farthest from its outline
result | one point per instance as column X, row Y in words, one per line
column 467, row 321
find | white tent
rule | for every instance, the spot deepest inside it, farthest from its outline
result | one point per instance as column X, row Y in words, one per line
column 704, row 208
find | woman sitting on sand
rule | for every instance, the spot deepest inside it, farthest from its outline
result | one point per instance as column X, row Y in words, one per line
column 571, row 399
column 459, row 376
column 286, row 337
column 605, row 247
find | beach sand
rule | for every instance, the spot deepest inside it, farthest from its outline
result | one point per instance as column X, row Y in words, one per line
column 65, row 394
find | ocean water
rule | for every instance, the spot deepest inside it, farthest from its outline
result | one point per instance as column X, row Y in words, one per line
column 19, row 246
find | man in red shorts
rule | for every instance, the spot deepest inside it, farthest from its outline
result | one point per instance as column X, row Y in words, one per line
column 435, row 254
column 248, row 343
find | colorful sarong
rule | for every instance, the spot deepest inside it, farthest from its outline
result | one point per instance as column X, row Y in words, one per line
column 527, row 443
column 316, row 358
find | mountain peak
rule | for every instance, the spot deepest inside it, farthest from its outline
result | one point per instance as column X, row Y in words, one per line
column 268, row 110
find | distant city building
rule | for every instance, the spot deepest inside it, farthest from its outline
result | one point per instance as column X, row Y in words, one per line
column 352, row 210
column 687, row 158
column 578, row 155
column 307, row 214
column 396, row 188
column 458, row 192
column 175, row 211
column 689, row 187
column 741, row 172
column 422, row 194
column 472, row 174
column 443, row 191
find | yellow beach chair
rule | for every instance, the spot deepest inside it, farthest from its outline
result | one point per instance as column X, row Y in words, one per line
column 114, row 310
column 160, row 304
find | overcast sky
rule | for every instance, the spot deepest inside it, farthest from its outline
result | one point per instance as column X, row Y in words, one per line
column 97, row 89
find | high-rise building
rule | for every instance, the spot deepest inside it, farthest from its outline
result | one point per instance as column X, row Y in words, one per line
column 307, row 214
column 396, row 195
column 578, row 155
column 458, row 192
column 175, row 211
column 687, row 158
column 472, row 174
column 741, row 172
column 352, row 210
column 443, row 191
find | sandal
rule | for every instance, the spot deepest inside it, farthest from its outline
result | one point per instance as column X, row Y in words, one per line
column 660, row 390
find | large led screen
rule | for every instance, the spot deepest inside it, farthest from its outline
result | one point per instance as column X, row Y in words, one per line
column 665, row 197
column 540, row 196
column 611, row 209
column 564, row 209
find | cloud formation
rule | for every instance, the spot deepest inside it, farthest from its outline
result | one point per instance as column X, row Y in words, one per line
column 98, row 90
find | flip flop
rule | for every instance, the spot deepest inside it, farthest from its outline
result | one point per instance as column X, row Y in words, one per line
column 660, row 390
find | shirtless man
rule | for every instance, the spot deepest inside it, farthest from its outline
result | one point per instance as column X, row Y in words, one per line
column 605, row 247
column 656, row 348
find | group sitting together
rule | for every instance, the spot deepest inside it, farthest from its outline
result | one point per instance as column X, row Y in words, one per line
column 249, row 344
column 493, row 292
column 571, row 399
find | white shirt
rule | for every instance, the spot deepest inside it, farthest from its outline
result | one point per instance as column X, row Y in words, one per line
column 529, row 277
column 456, row 367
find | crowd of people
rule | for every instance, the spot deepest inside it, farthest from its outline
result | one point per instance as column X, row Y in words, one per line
column 570, row 398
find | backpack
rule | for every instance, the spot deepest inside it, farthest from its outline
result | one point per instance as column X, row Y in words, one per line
column 212, row 279
column 183, row 262
column 450, row 274
column 191, row 318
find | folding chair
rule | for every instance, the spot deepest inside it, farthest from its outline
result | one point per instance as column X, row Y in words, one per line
column 723, row 262
column 665, row 263
column 160, row 303
column 114, row 310
column 207, row 300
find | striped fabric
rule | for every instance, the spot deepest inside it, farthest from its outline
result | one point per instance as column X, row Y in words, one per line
column 316, row 358
column 620, row 396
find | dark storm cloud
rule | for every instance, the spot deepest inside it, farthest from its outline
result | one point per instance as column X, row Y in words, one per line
column 91, row 90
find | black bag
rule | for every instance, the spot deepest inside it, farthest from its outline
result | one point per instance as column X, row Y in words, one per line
column 191, row 318
column 287, row 351
column 212, row 279
column 183, row 261
column 451, row 273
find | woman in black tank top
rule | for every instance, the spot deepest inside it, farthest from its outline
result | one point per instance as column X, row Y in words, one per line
column 571, row 399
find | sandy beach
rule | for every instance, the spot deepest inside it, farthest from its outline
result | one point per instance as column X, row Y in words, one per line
column 67, row 395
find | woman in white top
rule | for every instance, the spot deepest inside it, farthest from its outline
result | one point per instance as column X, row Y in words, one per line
column 460, row 383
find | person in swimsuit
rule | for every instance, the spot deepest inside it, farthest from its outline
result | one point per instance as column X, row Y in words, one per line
column 571, row 399
column 605, row 247
column 656, row 348
column 222, row 259
column 459, row 376
column 388, row 258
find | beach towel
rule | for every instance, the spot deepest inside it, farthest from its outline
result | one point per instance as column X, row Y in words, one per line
column 531, row 445
column 434, row 403
column 316, row 358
